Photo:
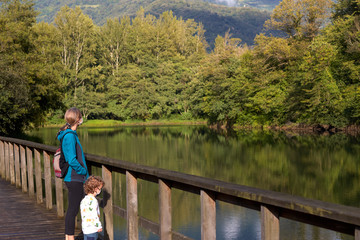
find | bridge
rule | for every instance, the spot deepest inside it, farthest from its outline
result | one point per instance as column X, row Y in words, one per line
column 26, row 165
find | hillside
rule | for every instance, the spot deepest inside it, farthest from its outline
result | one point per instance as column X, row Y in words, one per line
column 243, row 22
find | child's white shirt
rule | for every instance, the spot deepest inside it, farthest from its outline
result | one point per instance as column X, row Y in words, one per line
column 90, row 215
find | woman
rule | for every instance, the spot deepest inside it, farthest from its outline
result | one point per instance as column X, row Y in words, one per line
column 77, row 172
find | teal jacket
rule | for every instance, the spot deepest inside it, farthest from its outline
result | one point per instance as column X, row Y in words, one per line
column 74, row 155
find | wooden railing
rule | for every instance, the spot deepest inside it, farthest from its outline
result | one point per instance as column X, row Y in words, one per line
column 16, row 165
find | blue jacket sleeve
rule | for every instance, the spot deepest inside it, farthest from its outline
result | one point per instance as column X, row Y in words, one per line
column 69, row 150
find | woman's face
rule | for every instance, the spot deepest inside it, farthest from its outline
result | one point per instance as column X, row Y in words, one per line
column 80, row 121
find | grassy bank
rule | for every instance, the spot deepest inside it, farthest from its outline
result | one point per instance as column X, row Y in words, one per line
column 115, row 123
column 294, row 127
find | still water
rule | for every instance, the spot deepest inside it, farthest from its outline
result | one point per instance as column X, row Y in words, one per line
column 312, row 166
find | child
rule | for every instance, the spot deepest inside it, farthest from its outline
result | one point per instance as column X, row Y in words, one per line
column 89, row 206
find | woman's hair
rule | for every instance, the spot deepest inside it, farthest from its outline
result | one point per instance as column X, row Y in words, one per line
column 72, row 116
column 92, row 183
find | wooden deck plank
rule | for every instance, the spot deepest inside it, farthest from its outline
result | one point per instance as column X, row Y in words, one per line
column 22, row 218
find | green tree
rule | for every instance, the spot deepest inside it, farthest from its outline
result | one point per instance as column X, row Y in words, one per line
column 114, row 44
column 346, row 8
column 156, row 65
column 300, row 19
column 77, row 33
column 316, row 93
column 28, row 89
column 224, row 82
column 344, row 33
column 46, row 67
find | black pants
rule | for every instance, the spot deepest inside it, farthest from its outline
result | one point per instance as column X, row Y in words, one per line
column 75, row 195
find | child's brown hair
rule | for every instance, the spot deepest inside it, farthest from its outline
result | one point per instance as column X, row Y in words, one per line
column 92, row 183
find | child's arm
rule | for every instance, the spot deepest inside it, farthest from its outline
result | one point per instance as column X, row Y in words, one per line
column 96, row 215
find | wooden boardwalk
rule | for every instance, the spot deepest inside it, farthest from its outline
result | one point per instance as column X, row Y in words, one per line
column 28, row 165
column 22, row 218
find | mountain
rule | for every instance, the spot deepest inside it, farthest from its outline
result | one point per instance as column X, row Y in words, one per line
column 242, row 22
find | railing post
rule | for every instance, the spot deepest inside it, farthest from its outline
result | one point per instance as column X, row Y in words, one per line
column 23, row 169
column 132, row 207
column 108, row 203
column 47, row 174
column 59, row 197
column 165, row 210
column 30, row 171
column 2, row 158
column 270, row 228
column 17, row 166
column 7, row 161
column 208, row 216
column 38, row 177
column 11, row 163
column 357, row 233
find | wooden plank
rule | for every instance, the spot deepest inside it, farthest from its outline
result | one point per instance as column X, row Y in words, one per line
column 165, row 210
column 270, row 227
column 2, row 159
column 208, row 216
column 22, row 218
column 23, row 169
column 357, row 233
column 30, row 144
column 47, row 174
column 7, row 159
column 149, row 225
column 11, row 163
column 17, row 166
column 38, row 180
column 30, row 171
column 108, row 204
column 132, row 207
column 59, row 197
column 314, row 220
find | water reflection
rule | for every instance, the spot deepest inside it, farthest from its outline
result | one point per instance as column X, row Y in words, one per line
column 313, row 166
column 231, row 226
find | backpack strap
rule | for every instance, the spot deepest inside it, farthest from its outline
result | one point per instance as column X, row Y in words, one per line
column 64, row 136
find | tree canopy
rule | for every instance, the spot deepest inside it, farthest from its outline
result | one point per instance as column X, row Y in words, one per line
column 29, row 88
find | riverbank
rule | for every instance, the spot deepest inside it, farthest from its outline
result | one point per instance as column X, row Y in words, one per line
column 320, row 129
column 117, row 123
column 290, row 127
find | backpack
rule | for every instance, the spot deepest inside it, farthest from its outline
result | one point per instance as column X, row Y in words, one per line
column 59, row 162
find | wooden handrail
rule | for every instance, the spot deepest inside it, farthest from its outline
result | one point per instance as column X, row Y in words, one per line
column 273, row 205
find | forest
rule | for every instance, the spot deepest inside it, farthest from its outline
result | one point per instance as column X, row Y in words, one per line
column 157, row 67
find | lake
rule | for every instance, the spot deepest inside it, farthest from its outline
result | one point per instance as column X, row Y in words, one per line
column 323, row 167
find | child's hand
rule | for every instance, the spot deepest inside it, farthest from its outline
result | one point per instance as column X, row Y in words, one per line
column 100, row 230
